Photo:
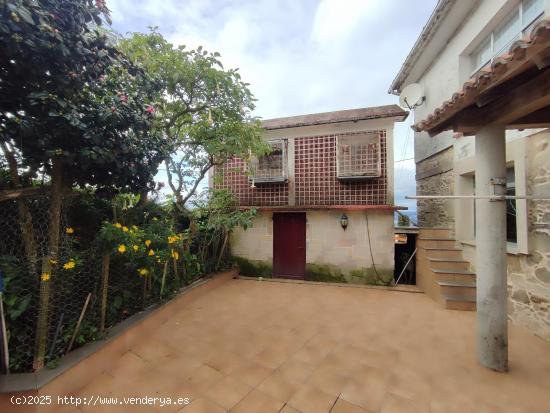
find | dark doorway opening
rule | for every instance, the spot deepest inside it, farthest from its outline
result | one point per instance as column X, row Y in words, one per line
column 405, row 244
column 289, row 245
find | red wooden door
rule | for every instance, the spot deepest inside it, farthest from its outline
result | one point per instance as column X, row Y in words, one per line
column 289, row 245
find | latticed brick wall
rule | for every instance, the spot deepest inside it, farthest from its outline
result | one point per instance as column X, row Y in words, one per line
column 315, row 175
column 232, row 176
column 315, row 181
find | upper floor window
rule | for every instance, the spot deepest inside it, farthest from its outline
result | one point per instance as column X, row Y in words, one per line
column 516, row 24
column 358, row 156
column 271, row 167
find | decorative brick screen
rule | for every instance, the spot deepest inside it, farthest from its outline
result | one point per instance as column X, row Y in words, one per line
column 315, row 175
column 232, row 176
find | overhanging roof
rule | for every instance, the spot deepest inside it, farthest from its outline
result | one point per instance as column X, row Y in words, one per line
column 351, row 115
column 514, row 90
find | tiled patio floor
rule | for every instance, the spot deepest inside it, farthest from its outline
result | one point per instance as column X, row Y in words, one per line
column 261, row 347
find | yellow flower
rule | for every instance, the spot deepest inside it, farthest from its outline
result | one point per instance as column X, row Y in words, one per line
column 122, row 248
column 69, row 265
column 134, row 227
column 135, row 247
column 125, row 229
column 172, row 239
column 175, row 255
column 53, row 262
column 117, row 225
column 69, row 230
column 151, row 253
column 143, row 271
column 45, row 277
column 147, row 242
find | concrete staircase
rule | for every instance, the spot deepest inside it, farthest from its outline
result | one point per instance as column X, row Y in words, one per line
column 442, row 273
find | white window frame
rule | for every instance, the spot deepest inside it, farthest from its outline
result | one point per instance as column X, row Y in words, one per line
column 274, row 179
column 378, row 173
column 490, row 36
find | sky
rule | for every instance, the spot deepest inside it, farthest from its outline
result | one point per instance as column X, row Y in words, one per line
column 299, row 56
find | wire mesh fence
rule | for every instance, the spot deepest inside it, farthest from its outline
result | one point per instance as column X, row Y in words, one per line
column 89, row 290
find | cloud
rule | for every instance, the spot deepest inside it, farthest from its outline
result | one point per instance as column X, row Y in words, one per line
column 300, row 57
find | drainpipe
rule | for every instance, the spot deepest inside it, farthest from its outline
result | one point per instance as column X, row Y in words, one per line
column 491, row 265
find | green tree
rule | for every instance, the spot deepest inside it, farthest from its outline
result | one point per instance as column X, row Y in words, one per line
column 204, row 110
column 71, row 108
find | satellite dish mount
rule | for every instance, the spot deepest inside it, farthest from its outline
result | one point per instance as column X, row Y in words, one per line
column 412, row 96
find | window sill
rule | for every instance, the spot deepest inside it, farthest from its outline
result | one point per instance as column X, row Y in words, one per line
column 511, row 249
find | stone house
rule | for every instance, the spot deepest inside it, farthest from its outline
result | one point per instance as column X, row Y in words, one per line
column 462, row 42
column 324, row 197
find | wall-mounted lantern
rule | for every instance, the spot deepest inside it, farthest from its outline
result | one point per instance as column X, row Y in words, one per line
column 344, row 221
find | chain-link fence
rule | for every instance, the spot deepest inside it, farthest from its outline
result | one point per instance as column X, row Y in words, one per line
column 88, row 290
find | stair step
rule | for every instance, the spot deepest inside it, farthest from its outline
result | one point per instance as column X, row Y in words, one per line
column 461, row 272
column 462, row 298
column 442, row 249
column 446, row 260
column 436, row 239
column 466, row 284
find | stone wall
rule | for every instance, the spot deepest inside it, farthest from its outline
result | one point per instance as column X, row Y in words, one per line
column 529, row 276
column 434, row 176
column 331, row 253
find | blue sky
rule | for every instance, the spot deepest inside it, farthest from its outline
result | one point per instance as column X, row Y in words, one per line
column 299, row 56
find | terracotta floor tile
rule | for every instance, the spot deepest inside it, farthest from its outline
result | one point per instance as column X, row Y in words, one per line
column 295, row 370
column 278, row 387
column 326, row 380
column 203, row 377
column 340, row 341
column 202, row 405
column 397, row 404
column 289, row 409
column 343, row 406
column 310, row 399
column 258, row 402
column 227, row 392
column 367, row 394
column 252, row 374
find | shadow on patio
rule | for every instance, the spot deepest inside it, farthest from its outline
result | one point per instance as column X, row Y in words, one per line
column 250, row 346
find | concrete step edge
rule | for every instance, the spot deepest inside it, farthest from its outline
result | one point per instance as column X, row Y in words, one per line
column 446, row 260
column 465, row 284
column 462, row 298
column 450, row 271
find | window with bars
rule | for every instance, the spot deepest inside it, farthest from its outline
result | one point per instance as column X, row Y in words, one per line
column 358, row 156
column 517, row 23
column 271, row 167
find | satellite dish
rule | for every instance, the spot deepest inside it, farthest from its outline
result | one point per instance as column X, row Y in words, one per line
column 412, row 96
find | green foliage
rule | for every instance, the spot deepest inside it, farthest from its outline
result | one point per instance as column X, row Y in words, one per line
column 324, row 273
column 253, row 268
column 68, row 92
column 204, row 110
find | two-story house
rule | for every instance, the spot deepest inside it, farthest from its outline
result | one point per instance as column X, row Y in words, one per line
column 324, row 197
column 484, row 61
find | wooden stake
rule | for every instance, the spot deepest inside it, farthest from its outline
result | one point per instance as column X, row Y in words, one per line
column 164, row 271
column 104, row 289
column 77, row 327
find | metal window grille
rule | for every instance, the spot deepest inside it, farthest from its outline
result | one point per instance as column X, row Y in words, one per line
column 271, row 167
column 358, row 156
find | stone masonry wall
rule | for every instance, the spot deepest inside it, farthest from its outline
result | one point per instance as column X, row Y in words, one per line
column 529, row 276
column 434, row 176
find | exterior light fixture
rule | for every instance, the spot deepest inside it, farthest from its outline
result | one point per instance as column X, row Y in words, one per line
column 344, row 221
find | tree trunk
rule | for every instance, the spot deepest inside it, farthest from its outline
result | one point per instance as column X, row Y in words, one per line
column 25, row 217
column 49, row 258
column 222, row 250
column 143, row 197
